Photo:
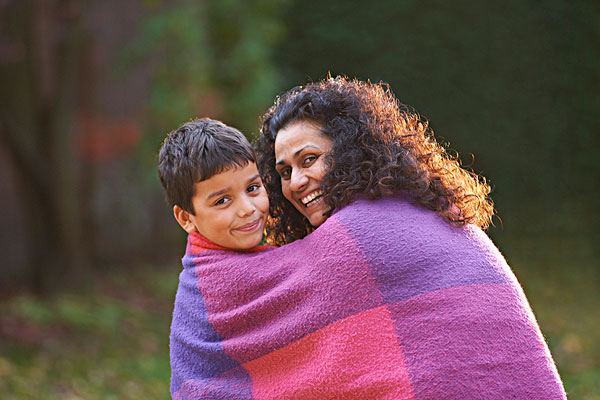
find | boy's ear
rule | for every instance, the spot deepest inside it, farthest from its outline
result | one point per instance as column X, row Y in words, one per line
column 183, row 218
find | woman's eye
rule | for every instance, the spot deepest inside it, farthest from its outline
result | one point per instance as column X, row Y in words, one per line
column 308, row 160
column 285, row 173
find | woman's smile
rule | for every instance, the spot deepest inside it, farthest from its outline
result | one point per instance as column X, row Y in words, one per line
column 312, row 199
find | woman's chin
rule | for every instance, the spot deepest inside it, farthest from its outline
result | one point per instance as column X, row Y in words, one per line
column 317, row 218
column 313, row 213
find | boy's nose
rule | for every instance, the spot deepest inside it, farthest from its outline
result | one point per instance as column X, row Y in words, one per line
column 246, row 207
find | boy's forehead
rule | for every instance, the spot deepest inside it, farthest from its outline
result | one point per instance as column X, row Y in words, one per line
column 238, row 166
column 231, row 178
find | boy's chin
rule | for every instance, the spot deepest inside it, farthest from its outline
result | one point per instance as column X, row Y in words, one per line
column 246, row 244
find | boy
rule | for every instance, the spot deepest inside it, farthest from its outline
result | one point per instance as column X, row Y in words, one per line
column 210, row 178
column 209, row 174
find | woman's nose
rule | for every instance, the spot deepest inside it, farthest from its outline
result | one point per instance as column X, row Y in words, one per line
column 298, row 180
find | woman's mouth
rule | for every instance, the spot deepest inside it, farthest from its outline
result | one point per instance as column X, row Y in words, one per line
column 252, row 226
column 312, row 199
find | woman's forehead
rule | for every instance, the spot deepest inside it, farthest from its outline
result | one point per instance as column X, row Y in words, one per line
column 293, row 138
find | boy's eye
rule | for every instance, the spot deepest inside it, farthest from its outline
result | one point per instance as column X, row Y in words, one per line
column 221, row 201
column 253, row 188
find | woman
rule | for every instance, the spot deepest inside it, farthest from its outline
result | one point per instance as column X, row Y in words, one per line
column 371, row 145
column 325, row 149
column 386, row 286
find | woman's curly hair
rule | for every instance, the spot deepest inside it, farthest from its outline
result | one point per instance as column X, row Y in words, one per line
column 378, row 146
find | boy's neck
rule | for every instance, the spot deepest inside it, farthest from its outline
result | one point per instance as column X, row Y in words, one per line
column 198, row 243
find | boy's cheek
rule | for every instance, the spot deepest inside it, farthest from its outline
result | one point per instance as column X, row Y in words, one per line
column 264, row 202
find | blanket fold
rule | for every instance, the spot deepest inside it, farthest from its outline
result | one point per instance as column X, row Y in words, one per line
column 385, row 300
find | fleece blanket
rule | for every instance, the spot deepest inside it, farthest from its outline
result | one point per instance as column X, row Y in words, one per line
column 385, row 300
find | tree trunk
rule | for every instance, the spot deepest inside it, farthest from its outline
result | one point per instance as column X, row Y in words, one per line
column 39, row 140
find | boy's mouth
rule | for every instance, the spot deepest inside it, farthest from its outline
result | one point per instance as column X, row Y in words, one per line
column 250, row 226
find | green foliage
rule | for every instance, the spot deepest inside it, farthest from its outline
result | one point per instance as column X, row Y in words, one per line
column 107, row 341
column 243, row 36
column 212, row 59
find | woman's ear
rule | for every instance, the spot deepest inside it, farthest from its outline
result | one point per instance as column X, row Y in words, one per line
column 184, row 219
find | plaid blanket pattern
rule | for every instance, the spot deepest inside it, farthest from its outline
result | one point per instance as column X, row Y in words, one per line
column 385, row 300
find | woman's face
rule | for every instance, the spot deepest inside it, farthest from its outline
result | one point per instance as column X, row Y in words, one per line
column 300, row 151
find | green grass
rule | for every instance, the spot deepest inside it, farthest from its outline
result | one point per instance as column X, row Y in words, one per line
column 561, row 278
column 109, row 340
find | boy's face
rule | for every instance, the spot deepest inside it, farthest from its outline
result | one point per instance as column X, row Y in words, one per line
column 231, row 208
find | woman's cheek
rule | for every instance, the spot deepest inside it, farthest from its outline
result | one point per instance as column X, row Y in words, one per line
column 285, row 189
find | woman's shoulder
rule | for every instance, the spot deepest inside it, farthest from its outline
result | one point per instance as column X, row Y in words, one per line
column 398, row 220
column 398, row 208
column 396, row 231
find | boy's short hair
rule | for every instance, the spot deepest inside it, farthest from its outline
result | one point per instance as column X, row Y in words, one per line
column 195, row 152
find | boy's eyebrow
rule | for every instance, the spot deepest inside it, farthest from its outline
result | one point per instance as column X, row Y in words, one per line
column 255, row 177
column 228, row 188
column 218, row 192
column 297, row 153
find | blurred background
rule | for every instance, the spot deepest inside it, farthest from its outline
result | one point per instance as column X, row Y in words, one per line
column 89, row 89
